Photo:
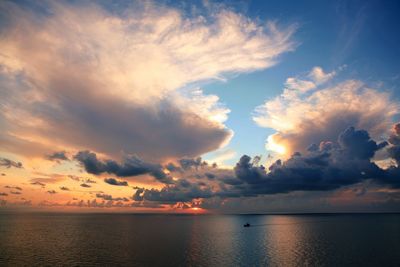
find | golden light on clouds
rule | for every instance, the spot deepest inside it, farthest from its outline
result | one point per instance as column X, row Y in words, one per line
column 274, row 146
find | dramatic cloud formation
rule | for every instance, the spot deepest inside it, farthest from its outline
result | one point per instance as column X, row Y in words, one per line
column 307, row 113
column 117, row 93
column 113, row 81
column 325, row 167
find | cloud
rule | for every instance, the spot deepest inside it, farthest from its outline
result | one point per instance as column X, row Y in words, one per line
column 394, row 140
column 8, row 163
column 329, row 166
column 189, row 163
column 57, row 156
column 143, row 63
column 298, row 85
column 109, row 197
column 74, row 177
column 183, row 191
column 50, row 179
column 302, row 117
column 393, row 150
column 86, row 204
column 320, row 170
column 64, row 188
column 319, row 76
column 52, row 192
column 13, row 187
column 38, row 183
column 345, row 162
column 113, row 181
column 132, row 166
column 85, row 185
column 358, row 143
column 92, row 204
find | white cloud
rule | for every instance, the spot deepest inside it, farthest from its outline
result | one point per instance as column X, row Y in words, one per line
column 318, row 75
column 303, row 118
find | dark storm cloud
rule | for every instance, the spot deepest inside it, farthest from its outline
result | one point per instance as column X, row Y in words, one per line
column 109, row 197
column 132, row 166
column 188, row 163
column 393, row 172
column 328, row 166
column 113, row 181
column 172, row 167
column 57, row 156
column 8, row 163
column 64, row 188
column 394, row 140
column 183, row 191
column 210, row 176
column 85, row 185
column 358, row 143
column 394, row 153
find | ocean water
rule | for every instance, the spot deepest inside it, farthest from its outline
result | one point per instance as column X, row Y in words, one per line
column 57, row 239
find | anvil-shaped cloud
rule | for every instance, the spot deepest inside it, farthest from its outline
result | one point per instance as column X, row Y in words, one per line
column 79, row 76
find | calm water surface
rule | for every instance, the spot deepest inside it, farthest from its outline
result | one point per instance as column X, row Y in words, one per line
column 38, row 239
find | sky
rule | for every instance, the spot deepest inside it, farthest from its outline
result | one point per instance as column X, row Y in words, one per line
column 200, row 106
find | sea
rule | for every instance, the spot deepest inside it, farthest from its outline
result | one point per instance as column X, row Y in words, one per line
column 109, row 239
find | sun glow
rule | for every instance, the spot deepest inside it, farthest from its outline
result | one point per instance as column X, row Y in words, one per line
column 274, row 146
column 197, row 210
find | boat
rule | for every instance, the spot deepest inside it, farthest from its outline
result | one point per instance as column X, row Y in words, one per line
column 246, row 225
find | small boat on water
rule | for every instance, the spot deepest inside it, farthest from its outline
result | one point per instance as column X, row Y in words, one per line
column 246, row 225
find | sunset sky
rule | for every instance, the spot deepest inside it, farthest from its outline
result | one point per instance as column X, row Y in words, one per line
column 200, row 106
